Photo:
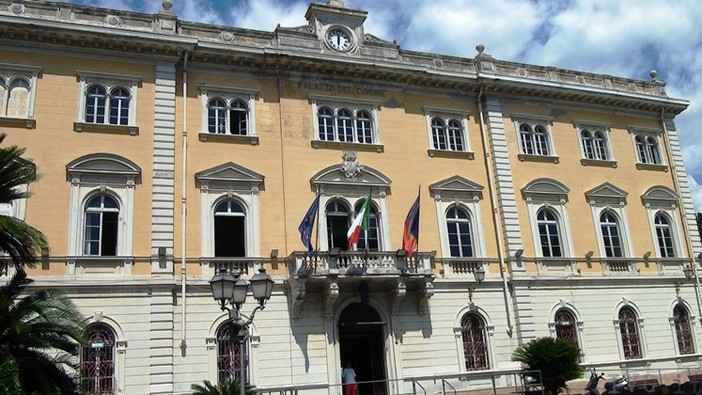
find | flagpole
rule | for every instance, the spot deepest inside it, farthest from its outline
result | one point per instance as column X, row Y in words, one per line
column 316, row 239
column 419, row 195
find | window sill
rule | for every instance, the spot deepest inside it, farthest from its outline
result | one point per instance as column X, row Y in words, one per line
column 538, row 158
column 599, row 163
column 379, row 148
column 451, row 154
column 27, row 123
column 651, row 166
column 228, row 138
column 105, row 128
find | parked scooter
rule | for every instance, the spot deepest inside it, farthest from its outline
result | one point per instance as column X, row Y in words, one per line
column 616, row 387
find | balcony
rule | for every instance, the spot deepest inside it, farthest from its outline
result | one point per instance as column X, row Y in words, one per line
column 390, row 274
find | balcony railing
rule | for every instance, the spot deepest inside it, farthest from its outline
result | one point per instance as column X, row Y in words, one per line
column 462, row 267
column 245, row 266
column 358, row 263
column 620, row 266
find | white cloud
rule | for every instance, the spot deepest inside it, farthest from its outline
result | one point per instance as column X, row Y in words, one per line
column 266, row 14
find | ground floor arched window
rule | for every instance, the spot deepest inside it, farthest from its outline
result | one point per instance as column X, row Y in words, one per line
column 97, row 361
column 229, row 356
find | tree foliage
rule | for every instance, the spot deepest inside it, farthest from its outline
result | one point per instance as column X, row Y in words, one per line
column 226, row 387
column 557, row 359
column 40, row 334
column 19, row 240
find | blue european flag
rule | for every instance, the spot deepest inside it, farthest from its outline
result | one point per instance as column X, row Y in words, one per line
column 307, row 224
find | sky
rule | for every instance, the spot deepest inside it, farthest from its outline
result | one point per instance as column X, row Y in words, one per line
column 625, row 38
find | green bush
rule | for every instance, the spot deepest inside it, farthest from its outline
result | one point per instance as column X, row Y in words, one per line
column 557, row 360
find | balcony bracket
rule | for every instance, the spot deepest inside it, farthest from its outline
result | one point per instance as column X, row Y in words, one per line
column 399, row 295
column 330, row 298
column 423, row 299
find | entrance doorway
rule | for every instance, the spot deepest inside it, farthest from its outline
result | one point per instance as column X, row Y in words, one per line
column 362, row 342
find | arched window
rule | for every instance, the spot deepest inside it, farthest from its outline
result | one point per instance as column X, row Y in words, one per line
column 229, row 355
column 549, row 233
column 652, row 150
column 372, row 232
column 325, row 118
column 566, row 326
column 119, row 106
column 526, row 137
column 229, row 229
column 95, row 103
column 455, row 135
column 611, row 235
column 344, row 122
column 664, row 236
column 337, row 224
column 600, row 143
column 101, row 223
column 217, row 116
column 238, row 118
column 18, row 99
column 364, row 127
column 629, row 331
column 540, row 140
column 460, row 232
column 474, row 337
column 438, row 132
column 683, row 333
column 647, row 149
column 97, row 361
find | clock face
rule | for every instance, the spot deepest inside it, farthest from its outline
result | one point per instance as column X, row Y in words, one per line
column 339, row 39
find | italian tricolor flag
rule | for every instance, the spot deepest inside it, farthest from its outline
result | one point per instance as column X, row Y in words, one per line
column 359, row 223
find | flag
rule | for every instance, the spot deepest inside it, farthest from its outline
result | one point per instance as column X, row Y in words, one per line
column 306, row 225
column 359, row 223
column 410, row 237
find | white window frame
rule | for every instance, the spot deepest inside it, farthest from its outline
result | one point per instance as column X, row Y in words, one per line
column 109, row 82
column 592, row 128
column 229, row 95
column 30, row 74
column 533, row 121
column 351, row 199
column 551, row 194
column 120, row 347
column 254, row 343
column 563, row 305
column 489, row 337
column 353, row 105
column 447, row 115
column 614, row 200
column 692, row 321
column 645, row 134
column 663, row 200
column 639, row 327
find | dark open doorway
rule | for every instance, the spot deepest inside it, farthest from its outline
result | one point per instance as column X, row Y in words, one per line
column 362, row 342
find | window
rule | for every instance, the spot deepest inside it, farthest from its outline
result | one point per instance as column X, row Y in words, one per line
column 683, row 331
column 345, row 125
column 549, row 233
column 460, row 234
column 97, row 361
column 229, row 229
column 228, row 356
column 447, row 135
column 101, row 226
column 594, row 143
column 337, row 224
column 17, row 94
column 664, row 236
column 475, row 348
column 566, row 326
column 228, row 114
column 629, row 331
column 370, row 237
column 647, row 146
column 344, row 121
column 230, row 223
column 534, row 138
column 107, row 101
column 611, row 235
column 102, row 204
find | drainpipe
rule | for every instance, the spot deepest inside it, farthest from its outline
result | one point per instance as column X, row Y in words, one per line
column 683, row 214
column 183, row 208
column 495, row 214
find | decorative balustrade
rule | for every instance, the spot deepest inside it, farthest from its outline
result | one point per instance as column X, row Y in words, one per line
column 619, row 266
column 557, row 266
column 245, row 266
column 359, row 263
column 462, row 267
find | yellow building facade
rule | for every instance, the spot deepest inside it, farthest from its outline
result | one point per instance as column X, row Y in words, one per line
column 169, row 150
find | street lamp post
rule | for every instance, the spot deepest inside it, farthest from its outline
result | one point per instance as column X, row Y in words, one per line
column 230, row 289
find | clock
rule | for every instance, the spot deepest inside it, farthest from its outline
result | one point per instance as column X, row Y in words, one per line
column 339, row 39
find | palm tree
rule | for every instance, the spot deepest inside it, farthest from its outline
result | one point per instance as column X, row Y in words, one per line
column 40, row 335
column 21, row 241
column 557, row 359
column 226, row 387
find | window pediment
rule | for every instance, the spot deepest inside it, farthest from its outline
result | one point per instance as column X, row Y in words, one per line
column 660, row 196
column 103, row 168
column 350, row 174
column 545, row 190
column 230, row 177
column 457, row 186
column 606, row 194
